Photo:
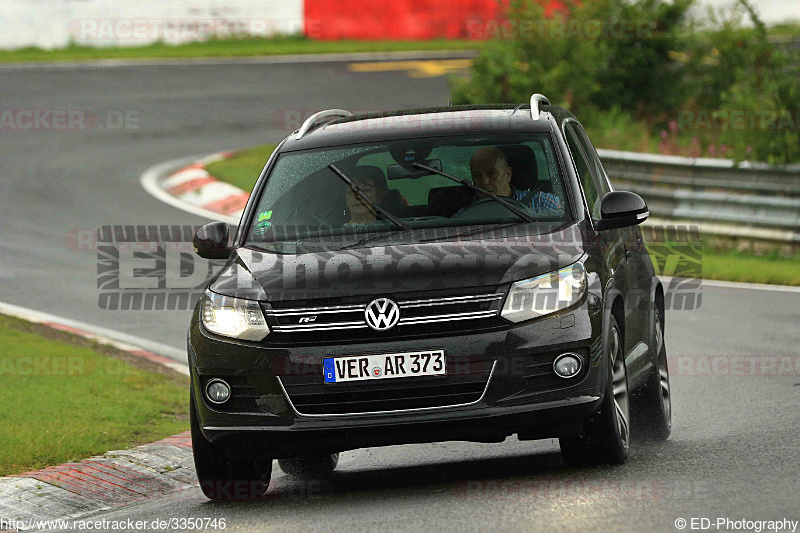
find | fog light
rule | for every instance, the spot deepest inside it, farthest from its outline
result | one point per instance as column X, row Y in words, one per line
column 567, row 365
column 217, row 391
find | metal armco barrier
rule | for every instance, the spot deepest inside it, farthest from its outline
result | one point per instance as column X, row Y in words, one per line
column 729, row 199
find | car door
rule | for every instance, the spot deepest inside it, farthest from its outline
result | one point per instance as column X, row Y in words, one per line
column 639, row 271
column 593, row 191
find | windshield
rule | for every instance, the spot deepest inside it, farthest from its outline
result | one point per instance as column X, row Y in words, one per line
column 306, row 197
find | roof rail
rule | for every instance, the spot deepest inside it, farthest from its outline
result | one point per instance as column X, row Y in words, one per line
column 536, row 99
column 318, row 118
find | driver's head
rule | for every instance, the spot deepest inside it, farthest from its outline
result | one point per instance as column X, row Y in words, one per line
column 490, row 170
column 372, row 182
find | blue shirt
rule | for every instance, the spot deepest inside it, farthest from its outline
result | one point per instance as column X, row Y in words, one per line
column 537, row 203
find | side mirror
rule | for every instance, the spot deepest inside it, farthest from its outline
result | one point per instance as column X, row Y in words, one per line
column 621, row 209
column 211, row 241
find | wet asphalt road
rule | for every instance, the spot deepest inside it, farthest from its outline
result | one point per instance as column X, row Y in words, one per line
column 735, row 439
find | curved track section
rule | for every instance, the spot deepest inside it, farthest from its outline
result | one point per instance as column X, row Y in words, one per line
column 733, row 452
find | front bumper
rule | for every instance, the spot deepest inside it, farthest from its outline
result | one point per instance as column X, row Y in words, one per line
column 512, row 401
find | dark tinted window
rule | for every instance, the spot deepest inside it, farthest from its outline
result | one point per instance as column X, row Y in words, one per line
column 594, row 161
column 590, row 188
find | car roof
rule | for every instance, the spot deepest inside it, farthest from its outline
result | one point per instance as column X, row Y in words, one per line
column 431, row 122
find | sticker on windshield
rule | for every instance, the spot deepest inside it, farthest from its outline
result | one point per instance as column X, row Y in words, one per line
column 262, row 227
column 266, row 215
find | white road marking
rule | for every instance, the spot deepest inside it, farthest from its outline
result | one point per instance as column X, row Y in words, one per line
column 118, row 339
column 737, row 285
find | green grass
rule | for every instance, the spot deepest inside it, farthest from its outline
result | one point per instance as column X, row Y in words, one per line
column 241, row 47
column 64, row 400
column 750, row 268
column 242, row 169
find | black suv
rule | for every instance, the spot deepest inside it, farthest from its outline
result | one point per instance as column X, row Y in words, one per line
column 459, row 273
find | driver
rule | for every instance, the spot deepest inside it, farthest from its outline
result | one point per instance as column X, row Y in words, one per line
column 490, row 171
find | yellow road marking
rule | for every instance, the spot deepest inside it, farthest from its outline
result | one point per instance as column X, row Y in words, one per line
column 415, row 69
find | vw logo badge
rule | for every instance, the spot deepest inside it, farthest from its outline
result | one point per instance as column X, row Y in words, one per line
column 382, row 314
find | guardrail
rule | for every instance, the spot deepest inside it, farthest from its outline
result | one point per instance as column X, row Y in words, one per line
column 751, row 200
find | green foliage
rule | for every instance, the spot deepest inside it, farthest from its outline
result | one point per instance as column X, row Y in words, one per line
column 637, row 71
column 605, row 53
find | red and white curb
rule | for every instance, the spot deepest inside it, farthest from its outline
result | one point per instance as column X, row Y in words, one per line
column 185, row 184
column 107, row 481
column 100, row 483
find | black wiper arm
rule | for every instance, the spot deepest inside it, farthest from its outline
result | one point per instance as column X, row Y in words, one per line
column 353, row 185
column 523, row 215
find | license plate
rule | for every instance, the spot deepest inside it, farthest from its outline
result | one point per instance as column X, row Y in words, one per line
column 394, row 365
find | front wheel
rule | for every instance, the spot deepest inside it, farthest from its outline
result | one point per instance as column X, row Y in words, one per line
column 652, row 403
column 606, row 436
column 226, row 477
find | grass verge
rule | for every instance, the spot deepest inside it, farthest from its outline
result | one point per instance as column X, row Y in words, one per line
column 243, row 169
column 747, row 267
column 66, row 398
column 243, row 47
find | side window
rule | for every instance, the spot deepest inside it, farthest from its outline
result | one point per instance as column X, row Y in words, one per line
column 594, row 160
column 590, row 189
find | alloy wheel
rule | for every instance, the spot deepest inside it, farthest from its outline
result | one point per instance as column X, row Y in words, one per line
column 620, row 388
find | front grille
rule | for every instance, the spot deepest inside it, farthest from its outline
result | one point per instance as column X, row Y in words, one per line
column 463, row 384
column 420, row 314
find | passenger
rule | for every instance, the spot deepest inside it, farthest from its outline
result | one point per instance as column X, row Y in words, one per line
column 372, row 183
column 490, row 171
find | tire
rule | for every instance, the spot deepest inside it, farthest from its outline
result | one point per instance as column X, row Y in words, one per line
column 606, row 436
column 652, row 402
column 308, row 467
column 224, row 479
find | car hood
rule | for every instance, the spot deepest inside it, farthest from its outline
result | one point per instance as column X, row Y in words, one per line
column 491, row 259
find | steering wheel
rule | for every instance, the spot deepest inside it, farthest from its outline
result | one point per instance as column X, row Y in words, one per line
column 488, row 207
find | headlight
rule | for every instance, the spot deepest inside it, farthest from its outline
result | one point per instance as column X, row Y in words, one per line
column 545, row 294
column 234, row 317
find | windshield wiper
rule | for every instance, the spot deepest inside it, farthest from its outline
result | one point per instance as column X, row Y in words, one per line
column 353, row 185
column 521, row 214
